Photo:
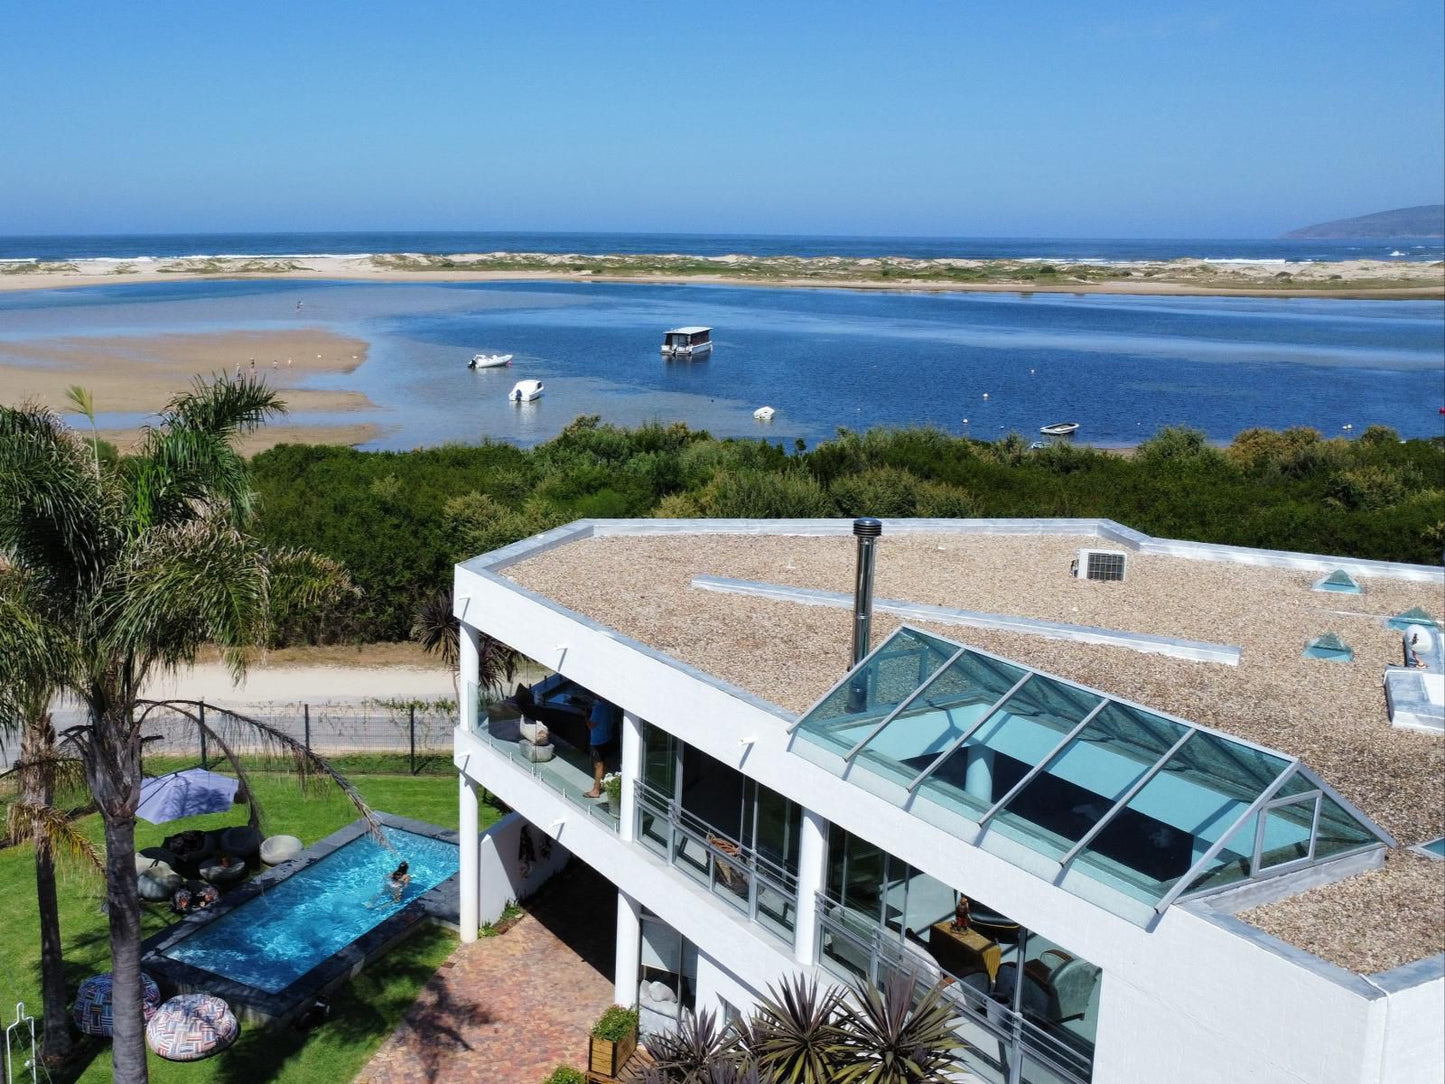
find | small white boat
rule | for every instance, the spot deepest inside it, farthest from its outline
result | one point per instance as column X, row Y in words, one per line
column 1060, row 429
column 524, row 391
column 687, row 342
column 764, row 413
column 489, row 361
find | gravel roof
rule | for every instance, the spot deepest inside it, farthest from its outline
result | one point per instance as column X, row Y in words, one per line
column 1332, row 715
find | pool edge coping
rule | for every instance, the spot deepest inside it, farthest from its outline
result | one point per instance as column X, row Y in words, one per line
column 438, row 905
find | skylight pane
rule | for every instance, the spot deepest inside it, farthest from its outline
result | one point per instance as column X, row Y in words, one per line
column 904, row 662
column 1339, row 831
column 1059, row 806
column 950, row 705
column 1170, row 824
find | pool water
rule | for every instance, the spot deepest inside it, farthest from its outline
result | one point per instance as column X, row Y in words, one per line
column 271, row 941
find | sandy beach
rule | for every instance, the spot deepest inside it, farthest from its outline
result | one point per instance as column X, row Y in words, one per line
column 139, row 374
column 1356, row 279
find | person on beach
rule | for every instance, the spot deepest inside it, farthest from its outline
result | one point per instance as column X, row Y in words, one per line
column 599, row 740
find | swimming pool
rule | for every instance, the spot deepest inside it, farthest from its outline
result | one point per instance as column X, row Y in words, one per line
column 305, row 926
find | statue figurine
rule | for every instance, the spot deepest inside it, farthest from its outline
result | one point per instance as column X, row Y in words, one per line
column 961, row 917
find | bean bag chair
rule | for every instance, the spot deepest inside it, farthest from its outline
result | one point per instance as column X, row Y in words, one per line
column 157, row 885
column 154, row 857
column 243, row 840
column 190, row 847
column 93, row 1011
column 218, row 874
column 190, row 1027
column 278, row 849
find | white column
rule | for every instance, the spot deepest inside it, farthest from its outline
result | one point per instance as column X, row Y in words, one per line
column 978, row 776
column 468, row 670
column 629, row 948
column 631, row 773
column 469, row 876
column 812, row 878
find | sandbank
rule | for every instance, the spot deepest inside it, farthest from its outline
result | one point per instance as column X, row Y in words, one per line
column 139, row 374
column 1356, row 279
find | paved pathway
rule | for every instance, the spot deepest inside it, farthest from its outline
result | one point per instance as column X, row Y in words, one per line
column 510, row 1009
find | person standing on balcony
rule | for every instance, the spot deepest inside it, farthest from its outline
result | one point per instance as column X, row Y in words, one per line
column 600, row 730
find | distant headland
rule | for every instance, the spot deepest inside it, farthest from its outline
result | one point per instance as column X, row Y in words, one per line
column 1425, row 221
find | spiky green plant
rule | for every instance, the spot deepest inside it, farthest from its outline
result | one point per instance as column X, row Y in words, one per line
column 80, row 398
column 132, row 568
column 887, row 1038
column 795, row 1036
column 692, row 1053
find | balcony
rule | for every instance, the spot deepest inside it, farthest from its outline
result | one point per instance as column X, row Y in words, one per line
column 758, row 888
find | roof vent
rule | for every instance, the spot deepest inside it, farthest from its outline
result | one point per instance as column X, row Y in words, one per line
column 1340, row 582
column 867, row 531
column 1330, row 648
column 1099, row 565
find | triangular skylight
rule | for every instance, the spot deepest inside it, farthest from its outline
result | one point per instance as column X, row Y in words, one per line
column 1341, row 582
column 1126, row 806
column 1329, row 647
column 1413, row 616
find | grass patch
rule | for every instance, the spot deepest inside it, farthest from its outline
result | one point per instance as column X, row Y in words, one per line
column 363, row 1013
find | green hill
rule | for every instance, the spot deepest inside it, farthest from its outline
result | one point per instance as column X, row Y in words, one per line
column 1426, row 221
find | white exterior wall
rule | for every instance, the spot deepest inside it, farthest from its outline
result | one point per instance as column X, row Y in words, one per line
column 500, row 877
column 1412, row 1023
column 1190, row 1000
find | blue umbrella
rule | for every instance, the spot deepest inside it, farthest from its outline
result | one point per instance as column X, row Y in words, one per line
column 185, row 794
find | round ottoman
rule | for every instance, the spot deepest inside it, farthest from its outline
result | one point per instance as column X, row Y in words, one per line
column 190, row 1027
column 156, row 885
column 218, row 874
column 278, row 849
column 93, row 1012
column 243, row 840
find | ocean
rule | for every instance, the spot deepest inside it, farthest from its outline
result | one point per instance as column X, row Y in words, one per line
column 982, row 364
column 158, row 246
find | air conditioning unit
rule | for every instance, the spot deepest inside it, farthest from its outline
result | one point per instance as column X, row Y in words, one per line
column 1099, row 565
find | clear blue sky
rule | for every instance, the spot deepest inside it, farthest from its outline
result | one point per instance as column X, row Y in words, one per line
column 945, row 118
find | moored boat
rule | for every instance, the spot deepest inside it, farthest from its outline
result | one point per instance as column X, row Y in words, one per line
column 489, row 361
column 524, row 391
column 687, row 342
column 1060, row 429
column 764, row 413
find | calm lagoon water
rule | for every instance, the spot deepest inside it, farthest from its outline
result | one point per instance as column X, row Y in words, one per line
column 1120, row 366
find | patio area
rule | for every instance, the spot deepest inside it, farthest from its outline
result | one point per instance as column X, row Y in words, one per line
column 509, row 1009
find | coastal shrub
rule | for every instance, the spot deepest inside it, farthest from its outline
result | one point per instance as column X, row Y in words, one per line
column 755, row 494
column 881, row 491
column 1177, row 446
column 1370, row 487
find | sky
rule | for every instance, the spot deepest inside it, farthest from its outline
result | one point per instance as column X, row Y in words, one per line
column 952, row 118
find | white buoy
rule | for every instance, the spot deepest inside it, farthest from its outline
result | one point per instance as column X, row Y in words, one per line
column 985, row 395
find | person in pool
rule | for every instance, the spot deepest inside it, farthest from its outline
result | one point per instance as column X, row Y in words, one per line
column 397, row 882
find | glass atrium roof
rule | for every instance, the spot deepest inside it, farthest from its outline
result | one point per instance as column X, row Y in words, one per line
column 1070, row 782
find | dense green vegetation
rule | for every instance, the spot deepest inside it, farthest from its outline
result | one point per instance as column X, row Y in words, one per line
column 399, row 520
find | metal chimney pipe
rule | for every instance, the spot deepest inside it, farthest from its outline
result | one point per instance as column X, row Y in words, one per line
column 867, row 531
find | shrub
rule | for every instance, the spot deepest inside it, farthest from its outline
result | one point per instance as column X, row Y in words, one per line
column 756, row 494
column 565, row 1074
column 615, row 1024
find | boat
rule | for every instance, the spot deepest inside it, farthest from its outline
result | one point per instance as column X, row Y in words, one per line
column 524, row 391
column 687, row 342
column 764, row 413
column 1060, row 429
column 489, row 361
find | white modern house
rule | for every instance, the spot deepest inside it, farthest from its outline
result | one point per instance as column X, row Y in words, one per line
column 1190, row 843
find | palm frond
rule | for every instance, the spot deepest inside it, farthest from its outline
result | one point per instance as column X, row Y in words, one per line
column 229, row 729
column 223, row 405
column 52, row 830
column 437, row 630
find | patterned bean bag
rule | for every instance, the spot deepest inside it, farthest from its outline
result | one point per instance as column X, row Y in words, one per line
column 158, row 884
column 93, row 1011
column 218, row 874
column 191, row 1027
column 278, row 849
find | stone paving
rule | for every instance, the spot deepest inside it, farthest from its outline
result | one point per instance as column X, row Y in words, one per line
column 509, row 1009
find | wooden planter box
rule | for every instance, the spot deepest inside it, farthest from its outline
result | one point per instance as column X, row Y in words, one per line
column 607, row 1058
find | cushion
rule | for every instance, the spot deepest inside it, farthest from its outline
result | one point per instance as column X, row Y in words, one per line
column 153, row 857
column 662, row 992
column 93, row 1011
column 242, row 840
column 158, row 884
column 191, row 1027
column 278, row 849
column 218, row 874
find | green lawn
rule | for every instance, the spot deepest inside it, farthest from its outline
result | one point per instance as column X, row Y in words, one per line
column 363, row 1013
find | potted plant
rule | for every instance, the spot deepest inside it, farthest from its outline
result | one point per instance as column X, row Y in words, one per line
column 614, row 1038
column 612, row 787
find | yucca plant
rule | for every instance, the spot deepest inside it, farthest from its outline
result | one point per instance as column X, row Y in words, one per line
column 694, row 1053
column 794, row 1033
column 888, row 1039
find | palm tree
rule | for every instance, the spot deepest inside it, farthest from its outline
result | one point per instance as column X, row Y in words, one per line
column 27, row 686
column 137, row 566
column 436, row 629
